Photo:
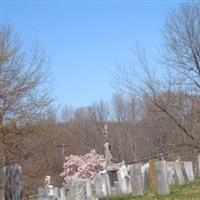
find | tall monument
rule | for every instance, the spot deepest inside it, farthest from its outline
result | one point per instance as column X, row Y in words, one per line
column 110, row 166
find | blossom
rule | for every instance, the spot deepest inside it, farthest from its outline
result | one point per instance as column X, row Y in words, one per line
column 85, row 166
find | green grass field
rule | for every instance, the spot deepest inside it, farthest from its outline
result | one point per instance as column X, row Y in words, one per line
column 190, row 191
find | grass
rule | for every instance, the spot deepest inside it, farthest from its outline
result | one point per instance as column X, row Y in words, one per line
column 190, row 191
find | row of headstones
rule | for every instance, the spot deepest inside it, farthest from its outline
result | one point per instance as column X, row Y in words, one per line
column 54, row 193
column 158, row 176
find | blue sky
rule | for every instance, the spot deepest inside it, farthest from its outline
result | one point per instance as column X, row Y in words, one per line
column 85, row 40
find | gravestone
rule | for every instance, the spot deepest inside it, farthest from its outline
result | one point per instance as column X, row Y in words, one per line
column 106, row 187
column 49, row 188
column 198, row 165
column 12, row 182
column 88, row 189
column 56, row 192
column 152, row 175
column 145, row 176
column 124, row 178
column 136, row 179
column 184, row 171
column 98, row 187
column 117, row 189
column 77, row 189
column 189, row 170
column 162, row 180
column 123, row 186
column 179, row 172
column 41, row 193
column 171, row 172
column 63, row 194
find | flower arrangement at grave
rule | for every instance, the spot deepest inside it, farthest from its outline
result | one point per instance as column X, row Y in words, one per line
column 85, row 166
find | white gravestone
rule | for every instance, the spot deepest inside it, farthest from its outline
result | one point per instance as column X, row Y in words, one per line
column 198, row 165
column 88, row 189
column 184, row 171
column 179, row 172
column 98, row 187
column 145, row 176
column 63, row 194
column 77, row 190
column 161, row 174
column 189, row 170
column 48, row 186
column 136, row 179
column 106, row 188
column 171, row 172
column 117, row 188
column 124, row 178
column 56, row 192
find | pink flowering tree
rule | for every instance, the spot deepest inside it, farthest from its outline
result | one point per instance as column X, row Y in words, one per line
column 85, row 166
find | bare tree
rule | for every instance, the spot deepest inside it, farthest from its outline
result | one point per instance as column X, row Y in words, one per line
column 182, row 44
column 175, row 94
column 24, row 86
column 67, row 113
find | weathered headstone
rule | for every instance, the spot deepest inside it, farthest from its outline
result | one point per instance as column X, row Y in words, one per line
column 124, row 178
column 198, row 165
column 171, row 172
column 12, row 182
column 117, row 189
column 88, row 189
column 162, row 180
column 56, row 192
column 145, row 176
column 98, row 187
column 123, row 186
column 79, row 189
column 49, row 188
column 189, row 170
column 152, row 175
column 179, row 172
column 63, row 194
column 106, row 187
column 41, row 194
column 136, row 179
column 184, row 171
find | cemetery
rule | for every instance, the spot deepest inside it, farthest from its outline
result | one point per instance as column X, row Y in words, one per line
column 156, row 179
column 93, row 117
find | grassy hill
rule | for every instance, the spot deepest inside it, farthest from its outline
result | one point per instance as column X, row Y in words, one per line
column 190, row 191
